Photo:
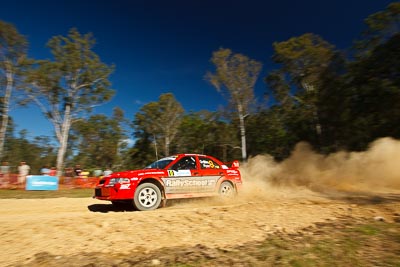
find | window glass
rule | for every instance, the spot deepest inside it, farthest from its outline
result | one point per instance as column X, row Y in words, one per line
column 186, row 163
column 160, row 164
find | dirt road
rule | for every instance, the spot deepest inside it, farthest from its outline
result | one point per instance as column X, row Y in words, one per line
column 65, row 227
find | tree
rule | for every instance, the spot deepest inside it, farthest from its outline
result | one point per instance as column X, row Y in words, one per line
column 100, row 139
column 142, row 152
column 297, row 84
column 13, row 49
column 368, row 94
column 236, row 74
column 374, row 84
column 269, row 133
column 381, row 27
column 205, row 132
column 161, row 120
column 193, row 132
column 68, row 88
column 36, row 153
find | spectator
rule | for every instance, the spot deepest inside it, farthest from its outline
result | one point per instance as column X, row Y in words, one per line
column 44, row 170
column 4, row 168
column 84, row 173
column 23, row 171
column 97, row 172
column 53, row 171
column 77, row 170
column 69, row 174
column 4, row 173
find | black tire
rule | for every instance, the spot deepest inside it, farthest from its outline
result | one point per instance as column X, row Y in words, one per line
column 147, row 197
column 227, row 190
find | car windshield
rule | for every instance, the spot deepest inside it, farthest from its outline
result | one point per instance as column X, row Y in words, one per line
column 160, row 164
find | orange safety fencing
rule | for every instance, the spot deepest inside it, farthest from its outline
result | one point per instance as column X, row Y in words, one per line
column 11, row 180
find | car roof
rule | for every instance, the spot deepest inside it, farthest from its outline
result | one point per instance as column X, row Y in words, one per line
column 190, row 154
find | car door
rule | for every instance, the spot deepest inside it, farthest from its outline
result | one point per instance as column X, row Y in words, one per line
column 210, row 170
column 183, row 177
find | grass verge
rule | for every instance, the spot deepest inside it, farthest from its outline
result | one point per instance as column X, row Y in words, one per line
column 24, row 194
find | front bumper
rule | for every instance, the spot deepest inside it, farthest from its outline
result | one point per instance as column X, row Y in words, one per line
column 103, row 193
column 112, row 193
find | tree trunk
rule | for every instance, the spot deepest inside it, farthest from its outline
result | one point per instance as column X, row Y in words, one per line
column 242, row 132
column 5, row 107
column 166, row 145
column 318, row 128
column 63, row 140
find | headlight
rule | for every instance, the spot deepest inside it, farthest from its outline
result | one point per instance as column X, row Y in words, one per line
column 114, row 181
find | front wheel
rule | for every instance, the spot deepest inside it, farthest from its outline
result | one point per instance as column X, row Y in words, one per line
column 147, row 197
column 227, row 190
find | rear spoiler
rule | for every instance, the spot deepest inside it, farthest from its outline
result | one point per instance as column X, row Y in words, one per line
column 233, row 164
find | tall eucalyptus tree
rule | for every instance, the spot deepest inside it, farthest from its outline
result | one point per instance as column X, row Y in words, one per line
column 68, row 87
column 236, row 74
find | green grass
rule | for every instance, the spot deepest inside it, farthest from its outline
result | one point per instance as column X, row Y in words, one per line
column 359, row 244
column 352, row 244
column 369, row 230
column 23, row 194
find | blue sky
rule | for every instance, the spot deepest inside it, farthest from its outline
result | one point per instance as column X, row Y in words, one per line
column 165, row 46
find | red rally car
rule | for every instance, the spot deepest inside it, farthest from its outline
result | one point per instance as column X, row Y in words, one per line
column 178, row 176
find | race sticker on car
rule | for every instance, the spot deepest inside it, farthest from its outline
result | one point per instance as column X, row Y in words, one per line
column 179, row 173
column 190, row 184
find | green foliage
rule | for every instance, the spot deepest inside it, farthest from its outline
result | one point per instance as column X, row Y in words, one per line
column 268, row 133
column 374, row 106
column 332, row 103
column 69, row 86
column 13, row 46
column 297, row 84
column 317, row 94
column 76, row 77
column 237, row 74
column 204, row 132
column 160, row 120
column 36, row 153
column 23, row 194
column 303, row 59
column 99, row 140
column 13, row 49
column 381, row 26
column 142, row 153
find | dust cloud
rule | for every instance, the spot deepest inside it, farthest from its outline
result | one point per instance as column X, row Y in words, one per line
column 377, row 169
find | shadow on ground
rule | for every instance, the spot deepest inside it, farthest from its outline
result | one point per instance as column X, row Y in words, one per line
column 105, row 208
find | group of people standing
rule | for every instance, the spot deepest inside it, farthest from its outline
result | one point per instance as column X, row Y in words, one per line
column 48, row 171
column 23, row 171
column 83, row 173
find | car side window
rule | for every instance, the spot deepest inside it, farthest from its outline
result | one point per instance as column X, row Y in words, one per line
column 186, row 163
column 207, row 163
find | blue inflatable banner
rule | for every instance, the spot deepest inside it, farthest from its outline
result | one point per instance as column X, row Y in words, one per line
column 41, row 182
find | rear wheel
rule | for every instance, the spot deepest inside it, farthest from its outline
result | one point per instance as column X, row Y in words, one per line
column 147, row 197
column 227, row 190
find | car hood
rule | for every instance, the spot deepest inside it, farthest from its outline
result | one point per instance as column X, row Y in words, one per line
column 137, row 173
